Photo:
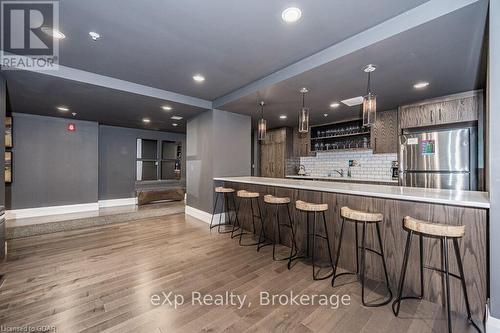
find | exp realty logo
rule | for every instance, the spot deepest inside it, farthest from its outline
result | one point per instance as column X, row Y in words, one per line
column 30, row 33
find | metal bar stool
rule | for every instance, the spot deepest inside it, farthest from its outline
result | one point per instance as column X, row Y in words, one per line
column 309, row 208
column 444, row 233
column 357, row 217
column 225, row 192
column 243, row 196
column 282, row 202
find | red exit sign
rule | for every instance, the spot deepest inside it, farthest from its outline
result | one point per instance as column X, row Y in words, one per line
column 71, row 127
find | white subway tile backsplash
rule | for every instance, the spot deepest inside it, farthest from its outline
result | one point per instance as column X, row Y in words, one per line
column 371, row 166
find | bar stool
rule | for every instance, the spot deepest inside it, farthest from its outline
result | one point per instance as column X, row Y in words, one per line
column 365, row 218
column 225, row 192
column 244, row 195
column 309, row 208
column 444, row 233
column 282, row 202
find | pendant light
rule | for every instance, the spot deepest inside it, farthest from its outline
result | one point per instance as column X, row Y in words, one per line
column 369, row 101
column 304, row 114
column 262, row 125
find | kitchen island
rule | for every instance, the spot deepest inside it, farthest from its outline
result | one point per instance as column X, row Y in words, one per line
column 395, row 202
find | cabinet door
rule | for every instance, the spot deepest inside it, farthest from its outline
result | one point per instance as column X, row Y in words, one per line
column 278, row 167
column 416, row 116
column 301, row 143
column 384, row 133
column 266, row 159
column 458, row 110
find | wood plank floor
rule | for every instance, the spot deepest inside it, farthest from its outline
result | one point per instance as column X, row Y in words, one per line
column 101, row 280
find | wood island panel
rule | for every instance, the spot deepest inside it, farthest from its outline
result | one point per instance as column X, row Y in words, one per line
column 473, row 246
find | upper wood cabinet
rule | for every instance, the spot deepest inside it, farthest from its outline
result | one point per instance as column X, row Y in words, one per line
column 384, row 133
column 301, row 143
column 445, row 110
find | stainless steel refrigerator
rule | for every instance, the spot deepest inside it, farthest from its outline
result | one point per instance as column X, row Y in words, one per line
column 444, row 159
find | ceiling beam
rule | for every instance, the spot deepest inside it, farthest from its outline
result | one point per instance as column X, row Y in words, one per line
column 122, row 85
column 410, row 19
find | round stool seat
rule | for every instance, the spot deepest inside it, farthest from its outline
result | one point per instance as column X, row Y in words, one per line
column 360, row 216
column 271, row 199
column 246, row 194
column 310, row 207
column 434, row 229
column 221, row 189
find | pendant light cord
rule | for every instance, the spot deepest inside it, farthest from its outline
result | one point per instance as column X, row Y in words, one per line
column 368, row 85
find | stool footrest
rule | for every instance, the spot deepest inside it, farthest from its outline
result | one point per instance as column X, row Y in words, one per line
column 442, row 271
column 370, row 250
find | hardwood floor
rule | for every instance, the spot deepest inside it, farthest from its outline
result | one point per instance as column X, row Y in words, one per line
column 102, row 279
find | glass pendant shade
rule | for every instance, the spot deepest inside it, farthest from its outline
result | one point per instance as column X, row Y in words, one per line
column 304, row 120
column 262, row 128
column 369, row 109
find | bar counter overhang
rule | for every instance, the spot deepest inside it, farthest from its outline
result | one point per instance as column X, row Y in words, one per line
column 395, row 202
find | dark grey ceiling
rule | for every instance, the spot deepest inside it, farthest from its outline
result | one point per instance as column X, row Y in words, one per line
column 35, row 93
column 163, row 43
column 446, row 52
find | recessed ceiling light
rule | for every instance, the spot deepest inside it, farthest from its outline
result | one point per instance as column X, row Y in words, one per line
column 353, row 101
column 325, row 114
column 199, row 78
column 167, row 107
column 176, row 117
column 175, row 124
column 334, row 105
column 146, row 120
column 291, row 14
column 53, row 32
column 94, row 35
column 420, row 85
column 62, row 108
column 283, row 116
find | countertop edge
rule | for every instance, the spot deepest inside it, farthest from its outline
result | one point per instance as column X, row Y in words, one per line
column 344, row 179
column 415, row 198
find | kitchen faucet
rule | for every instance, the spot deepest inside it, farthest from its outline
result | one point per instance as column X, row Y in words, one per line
column 341, row 173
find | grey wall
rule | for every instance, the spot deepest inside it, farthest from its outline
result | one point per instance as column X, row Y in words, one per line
column 3, row 110
column 219, row 144
column 199, row 161
column 52, row 166
column 117, row 159
column 494, row 154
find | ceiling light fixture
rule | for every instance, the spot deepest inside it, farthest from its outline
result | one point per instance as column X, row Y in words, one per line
column 199, row 78
column 370, row 100
column 62, row 108
column 291, row 14
column 53, row 33
column 420, row 85
column 283, row 116
column 262, row 124
column 304, row 113
column 176, row 117
column 94, row 35
column 166, row 108
column 175, row 124
column 146, row 120
column 334, row 105
column 325, row 114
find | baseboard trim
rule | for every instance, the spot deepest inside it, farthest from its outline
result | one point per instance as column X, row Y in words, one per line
column 117, row 202
column 202, row 215
column 50, row 210
column 492, row 324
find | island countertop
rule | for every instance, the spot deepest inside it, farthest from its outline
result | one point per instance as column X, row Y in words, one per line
column 436, row 196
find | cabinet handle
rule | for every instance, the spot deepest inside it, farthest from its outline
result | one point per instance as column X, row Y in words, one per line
column 439, row 114
column 432, row 116
column 375, row 145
